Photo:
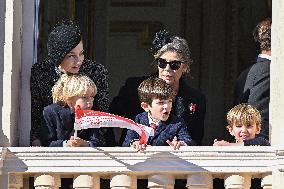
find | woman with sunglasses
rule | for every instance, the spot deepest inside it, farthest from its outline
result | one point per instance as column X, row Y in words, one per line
column 172, row 59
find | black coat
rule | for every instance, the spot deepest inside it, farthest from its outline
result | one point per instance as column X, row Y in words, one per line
column 166, row 130
column 253, row 87
column 127, row 104
column 60, row 124
column 43, row 77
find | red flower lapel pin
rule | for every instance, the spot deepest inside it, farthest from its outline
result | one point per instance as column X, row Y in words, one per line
column 192, row 108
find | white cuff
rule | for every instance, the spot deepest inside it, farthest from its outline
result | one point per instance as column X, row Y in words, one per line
column 64, row 143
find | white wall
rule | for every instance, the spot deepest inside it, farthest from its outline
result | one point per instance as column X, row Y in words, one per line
column 11, row 72
column 27, row 61
column 3, row 138
column 276, row 77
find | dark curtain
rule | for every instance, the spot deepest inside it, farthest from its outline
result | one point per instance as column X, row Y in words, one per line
column 53, row 11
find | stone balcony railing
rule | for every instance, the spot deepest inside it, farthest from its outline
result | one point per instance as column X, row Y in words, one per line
column 124, row 167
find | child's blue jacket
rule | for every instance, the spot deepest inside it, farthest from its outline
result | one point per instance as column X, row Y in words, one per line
column 167, row 130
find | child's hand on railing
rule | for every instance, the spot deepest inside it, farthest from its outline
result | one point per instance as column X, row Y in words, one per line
column 77, row 142
column 175, row 143
column 220, row 143
column 138, row 146
column 225, row 143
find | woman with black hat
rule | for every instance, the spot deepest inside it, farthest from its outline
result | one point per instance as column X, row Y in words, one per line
column 65, row 55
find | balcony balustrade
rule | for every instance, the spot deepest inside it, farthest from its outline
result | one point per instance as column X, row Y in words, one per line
column 124, row 166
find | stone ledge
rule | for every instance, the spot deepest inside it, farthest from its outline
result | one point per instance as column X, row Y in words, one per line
column 216, row 160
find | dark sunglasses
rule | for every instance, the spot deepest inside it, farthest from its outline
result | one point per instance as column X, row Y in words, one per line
column 174, row 65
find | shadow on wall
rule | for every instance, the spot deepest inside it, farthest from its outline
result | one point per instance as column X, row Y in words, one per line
column 3, row 139
column 10, row 170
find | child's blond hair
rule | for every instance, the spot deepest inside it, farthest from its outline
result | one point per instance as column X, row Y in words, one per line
column 243, row 114
column 72, row 85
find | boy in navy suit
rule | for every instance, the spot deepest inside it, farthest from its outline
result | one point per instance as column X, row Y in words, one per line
column 156, row 97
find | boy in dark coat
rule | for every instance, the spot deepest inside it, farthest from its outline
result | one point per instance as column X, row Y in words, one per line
column 69, row 92
column 156, row 98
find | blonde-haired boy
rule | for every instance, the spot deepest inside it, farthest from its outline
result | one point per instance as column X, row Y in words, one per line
column 244, row 123
column 70, row 91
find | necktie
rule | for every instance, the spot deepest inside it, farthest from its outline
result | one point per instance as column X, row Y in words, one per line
column 153, row 125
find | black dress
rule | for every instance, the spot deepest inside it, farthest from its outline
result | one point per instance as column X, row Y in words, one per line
column 166, row 130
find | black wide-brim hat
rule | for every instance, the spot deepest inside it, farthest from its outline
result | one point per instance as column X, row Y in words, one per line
column 61, row 40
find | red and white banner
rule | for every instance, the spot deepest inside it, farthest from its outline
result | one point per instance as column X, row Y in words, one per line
column 85, row 119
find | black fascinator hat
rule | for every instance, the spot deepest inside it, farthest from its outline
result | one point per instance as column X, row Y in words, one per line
column 161, row 38
column 65, row 36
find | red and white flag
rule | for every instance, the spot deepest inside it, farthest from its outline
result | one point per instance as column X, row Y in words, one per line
column 85, row 119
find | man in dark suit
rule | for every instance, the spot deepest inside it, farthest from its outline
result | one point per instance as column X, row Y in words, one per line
column 253, row 84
